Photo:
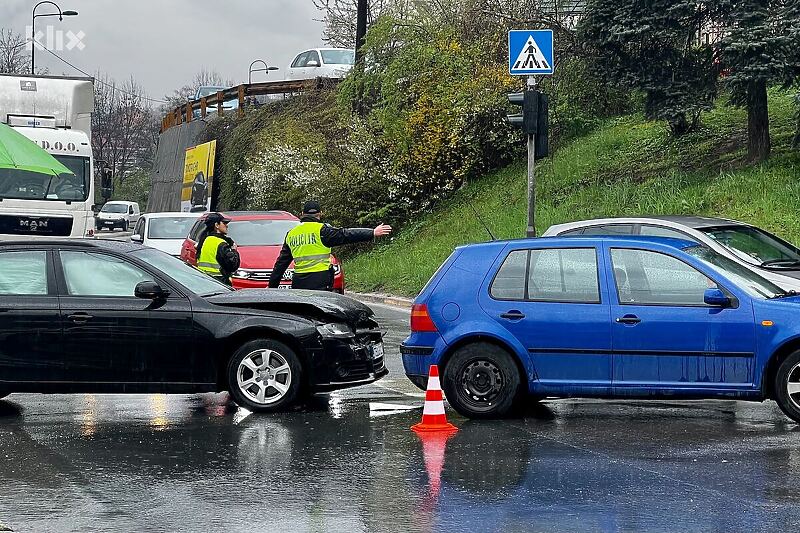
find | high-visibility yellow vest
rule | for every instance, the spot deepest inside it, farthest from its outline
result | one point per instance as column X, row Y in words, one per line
column 207, row 262
column 305, row 242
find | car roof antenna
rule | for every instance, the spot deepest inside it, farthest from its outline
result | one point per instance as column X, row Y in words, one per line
column 481, row 220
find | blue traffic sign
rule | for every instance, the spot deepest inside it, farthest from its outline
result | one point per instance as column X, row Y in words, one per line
column 530, row 52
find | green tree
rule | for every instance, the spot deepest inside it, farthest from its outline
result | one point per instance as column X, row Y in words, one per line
column 652, row 46
column 761, row 45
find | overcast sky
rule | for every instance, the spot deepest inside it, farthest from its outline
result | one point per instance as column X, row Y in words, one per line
column 163, row 43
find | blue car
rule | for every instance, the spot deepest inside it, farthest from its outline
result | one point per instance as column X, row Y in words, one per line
column 602, row 317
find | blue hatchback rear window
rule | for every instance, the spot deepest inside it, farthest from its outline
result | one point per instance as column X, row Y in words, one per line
column 548, row 275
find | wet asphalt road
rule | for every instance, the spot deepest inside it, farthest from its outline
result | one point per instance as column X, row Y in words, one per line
column 197, row 463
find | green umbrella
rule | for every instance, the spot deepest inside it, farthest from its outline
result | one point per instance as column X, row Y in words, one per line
column 20, row 153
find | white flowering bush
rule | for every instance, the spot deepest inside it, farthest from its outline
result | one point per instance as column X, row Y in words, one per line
column 275, row 169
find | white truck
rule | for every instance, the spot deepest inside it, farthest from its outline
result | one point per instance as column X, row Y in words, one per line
column 56, row 113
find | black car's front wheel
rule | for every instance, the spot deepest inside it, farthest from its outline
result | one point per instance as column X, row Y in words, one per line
column 264, row 376
column 787, row 386
column 482, row 380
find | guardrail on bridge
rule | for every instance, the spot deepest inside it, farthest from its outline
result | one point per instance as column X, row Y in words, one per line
column 240, row 93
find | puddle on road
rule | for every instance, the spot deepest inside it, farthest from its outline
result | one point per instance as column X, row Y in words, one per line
column 192, row 463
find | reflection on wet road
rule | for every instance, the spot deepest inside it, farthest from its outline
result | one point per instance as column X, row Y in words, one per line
column 198, row 463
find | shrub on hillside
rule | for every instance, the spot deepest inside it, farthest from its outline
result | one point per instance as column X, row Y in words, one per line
column 438, row 104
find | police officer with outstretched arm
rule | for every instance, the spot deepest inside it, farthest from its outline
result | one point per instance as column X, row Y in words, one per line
column 216, row 252
column 309, row 245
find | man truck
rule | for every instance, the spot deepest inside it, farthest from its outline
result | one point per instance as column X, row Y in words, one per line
column 55, row 112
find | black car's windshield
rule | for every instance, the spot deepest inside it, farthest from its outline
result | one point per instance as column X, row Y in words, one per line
column 114, row 208
column 170, row 227
column 756, row 246
column 188, row 276
column 260, row 232
column 25, row 185
column 744, row 278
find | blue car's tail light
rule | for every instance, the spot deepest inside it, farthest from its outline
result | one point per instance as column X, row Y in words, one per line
column 421, row 319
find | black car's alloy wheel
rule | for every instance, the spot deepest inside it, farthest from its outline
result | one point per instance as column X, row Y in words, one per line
column 481, row 381
column 264, row 376
column 787, row 386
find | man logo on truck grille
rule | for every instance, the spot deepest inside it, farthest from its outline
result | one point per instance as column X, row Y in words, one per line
column 33, row 225
column 27, row 85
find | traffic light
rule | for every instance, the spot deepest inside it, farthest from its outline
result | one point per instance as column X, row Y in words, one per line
column 542, row 127
column 533, row 119
column 527, row 119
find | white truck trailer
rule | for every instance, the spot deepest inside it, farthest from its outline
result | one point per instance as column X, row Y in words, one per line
column 56, row 113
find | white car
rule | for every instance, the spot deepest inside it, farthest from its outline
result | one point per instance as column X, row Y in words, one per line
column 321, row 63
column 118, row 214
column 750, row 246
column 164, row 231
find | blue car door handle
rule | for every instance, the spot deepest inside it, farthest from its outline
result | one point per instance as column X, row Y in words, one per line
column 629, row 319
column 513, row 315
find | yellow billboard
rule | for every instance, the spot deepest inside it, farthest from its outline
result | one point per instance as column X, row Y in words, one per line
column 198, row 177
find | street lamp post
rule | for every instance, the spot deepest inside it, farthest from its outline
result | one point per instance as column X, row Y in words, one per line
column 60, row 15
column 265, row 69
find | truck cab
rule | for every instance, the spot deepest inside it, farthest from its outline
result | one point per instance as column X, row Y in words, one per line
column 64, row 209
column 55, row 113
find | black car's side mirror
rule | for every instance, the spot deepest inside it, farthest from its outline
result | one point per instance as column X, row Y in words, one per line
column 150, row 290
column 717, row 298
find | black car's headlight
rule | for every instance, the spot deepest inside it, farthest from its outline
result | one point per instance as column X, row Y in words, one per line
column 335, row 330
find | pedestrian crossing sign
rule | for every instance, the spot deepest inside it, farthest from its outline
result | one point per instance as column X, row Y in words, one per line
column 530, row 52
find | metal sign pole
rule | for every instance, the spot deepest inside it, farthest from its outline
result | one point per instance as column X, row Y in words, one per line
column 531, row 230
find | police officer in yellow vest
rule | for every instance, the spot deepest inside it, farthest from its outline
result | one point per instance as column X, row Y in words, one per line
column 309, row 245
column 216, row 252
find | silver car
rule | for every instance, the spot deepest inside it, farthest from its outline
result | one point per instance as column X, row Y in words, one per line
column 759, row 250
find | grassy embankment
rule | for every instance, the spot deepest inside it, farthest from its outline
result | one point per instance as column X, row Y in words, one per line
column 628, row 167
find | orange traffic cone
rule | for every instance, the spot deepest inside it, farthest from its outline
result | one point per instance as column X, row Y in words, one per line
column 433, row 417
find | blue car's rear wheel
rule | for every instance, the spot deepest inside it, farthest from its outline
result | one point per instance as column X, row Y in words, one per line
column 787, row 386
column 481, row 380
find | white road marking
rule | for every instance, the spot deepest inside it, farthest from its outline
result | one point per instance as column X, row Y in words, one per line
column 378, row 406
column 404, row 310
column 410, row 394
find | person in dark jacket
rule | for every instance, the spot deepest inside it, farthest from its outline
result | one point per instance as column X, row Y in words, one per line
column 217, row 255
column 309, row 246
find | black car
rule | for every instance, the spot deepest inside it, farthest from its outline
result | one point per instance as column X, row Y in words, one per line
column 199, row 198
column 107, row 316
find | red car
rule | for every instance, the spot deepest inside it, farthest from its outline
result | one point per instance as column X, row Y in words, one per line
column 259, row 236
